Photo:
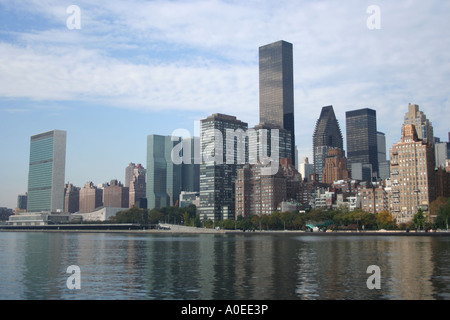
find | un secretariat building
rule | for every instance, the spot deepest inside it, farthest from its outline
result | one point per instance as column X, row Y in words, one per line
column 47, row 172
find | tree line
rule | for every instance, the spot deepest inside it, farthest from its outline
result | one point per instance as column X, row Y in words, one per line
column 335, row 219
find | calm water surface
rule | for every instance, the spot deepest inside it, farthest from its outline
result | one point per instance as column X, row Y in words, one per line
column 288, row 266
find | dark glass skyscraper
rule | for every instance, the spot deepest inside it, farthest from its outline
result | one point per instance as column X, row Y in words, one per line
column 362, row 138
column 276, row 87
column 191, row 166
column 327, row 135
column 163, row 176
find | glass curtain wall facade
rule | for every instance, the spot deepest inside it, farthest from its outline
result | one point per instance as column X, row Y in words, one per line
column 260, row 145
column 327, row 135
column 362, row 144
column 164, row 178
column 276, row 87
column 218, row 169
column 191, row 165
column 47, row 172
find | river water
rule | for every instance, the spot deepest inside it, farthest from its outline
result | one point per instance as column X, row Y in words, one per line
column 241, row 266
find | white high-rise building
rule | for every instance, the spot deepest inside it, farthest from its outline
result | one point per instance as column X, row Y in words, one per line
column 47, row 172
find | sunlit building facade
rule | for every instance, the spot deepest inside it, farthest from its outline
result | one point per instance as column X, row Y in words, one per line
column 47, row 172
column 413, row 183
column 327, row 135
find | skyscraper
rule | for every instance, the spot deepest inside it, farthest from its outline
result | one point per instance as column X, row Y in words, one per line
column 276, row 87
column 129, row 173
column 362, row 145
column 268, row 141
column 137, row 185
column 327, row 135
column 47, row 172
column 164, row 177
column 381, row 146
column 224, row 146
column 423, row 126
column 191, row 164
column 442, row 153
column 383, row 163
column 412, row 175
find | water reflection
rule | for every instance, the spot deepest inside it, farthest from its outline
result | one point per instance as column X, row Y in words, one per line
column 232, row 267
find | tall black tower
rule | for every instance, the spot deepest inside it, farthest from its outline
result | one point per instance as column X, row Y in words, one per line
column 362, row 144
column 276, row 87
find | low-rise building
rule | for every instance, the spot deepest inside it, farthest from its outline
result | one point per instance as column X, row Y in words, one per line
column 374, row 199
column 100, row 214
column 187, row 198
column 39, row 219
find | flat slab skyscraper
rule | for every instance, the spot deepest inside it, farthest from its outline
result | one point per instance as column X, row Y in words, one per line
column 276, row 87
column 362, row 146
column 223, row 146
column 163, row 176
column 47, row 172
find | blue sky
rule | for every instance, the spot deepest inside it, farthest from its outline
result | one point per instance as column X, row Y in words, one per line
column 138, row 67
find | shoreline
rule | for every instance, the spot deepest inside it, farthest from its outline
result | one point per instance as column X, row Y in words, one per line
column 177, row 229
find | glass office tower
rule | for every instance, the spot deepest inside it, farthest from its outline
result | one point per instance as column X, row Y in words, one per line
column 47, row 172
column 276, row 87
column 191, row 165
column 163, row 176
column 224, row 148
column 327, row 135
column 263, row 145
column 362, row 146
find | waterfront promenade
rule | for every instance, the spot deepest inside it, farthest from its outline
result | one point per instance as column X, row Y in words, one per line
column 166, row 228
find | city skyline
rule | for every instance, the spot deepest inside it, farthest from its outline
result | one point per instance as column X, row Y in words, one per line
column 132, row 71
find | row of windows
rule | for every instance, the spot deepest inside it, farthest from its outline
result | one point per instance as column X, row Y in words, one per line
column 41, row 150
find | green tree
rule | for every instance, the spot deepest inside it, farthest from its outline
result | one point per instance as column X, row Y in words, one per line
column 256, row 222
column 186, row 219
column 287, row 219
column 264, row 222
column 343, row 218
column 437, row 204
column 299, row 221
column 419, row 219
column 155, row 216
column 443, row 215
column 132, row 215
column 197, row 222
column 275, row 222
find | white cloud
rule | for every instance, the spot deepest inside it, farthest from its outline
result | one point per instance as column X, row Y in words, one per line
column 85, row 75
column 202, row 55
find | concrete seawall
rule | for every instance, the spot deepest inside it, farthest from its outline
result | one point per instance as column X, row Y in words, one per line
column 179, row 229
